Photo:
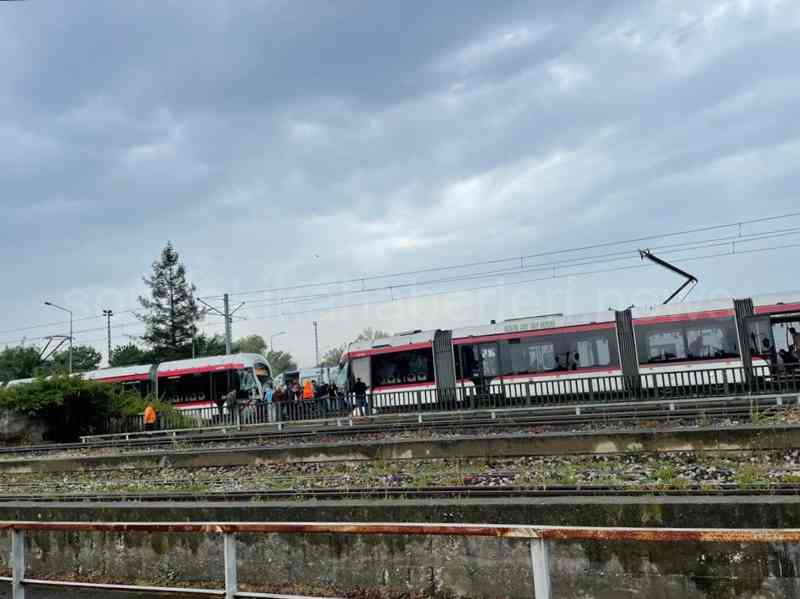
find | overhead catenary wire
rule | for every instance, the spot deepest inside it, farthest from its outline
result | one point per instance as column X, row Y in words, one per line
column 396, row 299
column 540, row 267
column 515, row 283
column 738, row 225
column 555, row 265
column 691, row 231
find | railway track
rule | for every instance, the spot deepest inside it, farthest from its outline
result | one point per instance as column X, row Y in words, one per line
column 566, row 417
column 389, row 493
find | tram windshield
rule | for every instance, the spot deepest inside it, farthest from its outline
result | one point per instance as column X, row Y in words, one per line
column 342, row 376
column 262, row 374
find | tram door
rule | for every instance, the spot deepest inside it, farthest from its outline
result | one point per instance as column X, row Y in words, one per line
column 481, row 364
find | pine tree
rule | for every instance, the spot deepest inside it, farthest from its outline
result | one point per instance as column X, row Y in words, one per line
column 172, row 313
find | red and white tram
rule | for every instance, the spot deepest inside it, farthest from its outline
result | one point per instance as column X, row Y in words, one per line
column 197, row 383
column 661, row 346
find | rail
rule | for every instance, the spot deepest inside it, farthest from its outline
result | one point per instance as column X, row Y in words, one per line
column 566, row 388
column 539, row 537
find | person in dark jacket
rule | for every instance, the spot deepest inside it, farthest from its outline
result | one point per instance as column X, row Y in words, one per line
column 360, row 391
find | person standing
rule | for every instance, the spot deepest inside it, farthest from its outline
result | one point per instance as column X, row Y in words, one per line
column 269, row 393
column 279, row 400
column 150, row 418
column 308, row 389
column 360, row 390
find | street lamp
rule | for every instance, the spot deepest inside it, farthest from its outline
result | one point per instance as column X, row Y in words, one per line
column 57, row 307
column 272, row 340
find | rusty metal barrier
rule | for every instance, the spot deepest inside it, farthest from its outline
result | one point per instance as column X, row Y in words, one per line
column 539, row 537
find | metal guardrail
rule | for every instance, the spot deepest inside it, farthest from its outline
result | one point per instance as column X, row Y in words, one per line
column 755, row 403
column 501, row 394
column 539, row 537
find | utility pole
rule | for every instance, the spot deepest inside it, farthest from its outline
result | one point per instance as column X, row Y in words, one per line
column 316, row 341
column 228, row 331
column 227, row 314
column 108, row 314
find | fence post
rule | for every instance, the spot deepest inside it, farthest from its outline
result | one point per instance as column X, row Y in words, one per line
column 231, row 582
column 17, row 564
column 540, row 561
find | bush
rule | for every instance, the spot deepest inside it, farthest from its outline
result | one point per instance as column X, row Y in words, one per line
column 71, row 407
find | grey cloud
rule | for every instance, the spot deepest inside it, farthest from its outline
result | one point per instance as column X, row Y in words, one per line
column 380, row 136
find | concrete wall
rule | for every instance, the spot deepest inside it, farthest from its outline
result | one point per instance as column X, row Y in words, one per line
column 444, row 567
column 16, row 429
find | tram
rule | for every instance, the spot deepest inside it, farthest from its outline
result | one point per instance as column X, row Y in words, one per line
column 188, row 384
column 672, row 345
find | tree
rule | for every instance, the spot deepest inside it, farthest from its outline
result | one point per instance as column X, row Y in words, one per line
column 370, row 334
column 84, row 359
column 71, row 407
column 252, row 344
column 280, row 362
column 208, row 346
column 130, row 355
column 18, row 363
column 333, row 356
column 172, row 314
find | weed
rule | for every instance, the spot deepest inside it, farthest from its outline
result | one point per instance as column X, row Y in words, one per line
column 750, row 475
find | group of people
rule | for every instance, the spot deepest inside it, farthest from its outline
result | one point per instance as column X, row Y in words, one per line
column 312, row 390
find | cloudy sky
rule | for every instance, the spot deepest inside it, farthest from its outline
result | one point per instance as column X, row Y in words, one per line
column 280, row 144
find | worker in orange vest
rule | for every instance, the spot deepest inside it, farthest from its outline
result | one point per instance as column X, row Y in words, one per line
column 150, row 418
column 308, row 389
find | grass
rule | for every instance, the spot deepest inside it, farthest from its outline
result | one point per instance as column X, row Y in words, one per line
column 751, row 475
column 665, row 476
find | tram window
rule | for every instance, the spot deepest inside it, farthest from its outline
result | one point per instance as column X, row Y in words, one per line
column 518, row 355
column 758, row 329
column 184, row 389
column 663, row 345
column 594, row 352
column 467, row 362
column 221, row 383
column 490, row 360
column 555, row 353
column 262, row 372
column 403, row 368
column 710, row 342
column 602, row 352
column 541, row 357
column 706, row 339
column 247, row 382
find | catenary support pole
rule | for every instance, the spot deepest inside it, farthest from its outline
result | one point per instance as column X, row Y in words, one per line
column 316, row 342
column 108, row 314
column 227, row 317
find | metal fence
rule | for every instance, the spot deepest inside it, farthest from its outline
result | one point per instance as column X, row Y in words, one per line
column 540, row 539
column 499, row 394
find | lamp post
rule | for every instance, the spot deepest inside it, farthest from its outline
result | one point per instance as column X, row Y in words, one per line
column 272, row 340
column 57, row 307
